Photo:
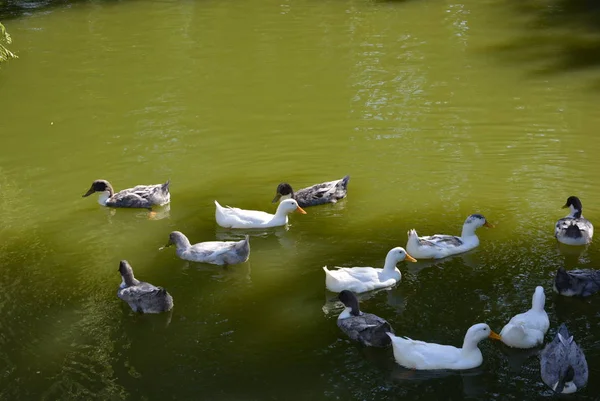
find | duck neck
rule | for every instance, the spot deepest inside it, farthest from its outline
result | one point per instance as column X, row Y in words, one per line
column 129, row 280
column 349, row 312
column 575, row 213
column 390, row 264
column 538, row 302
column 181, row 242
column 280, row 214
column 468, row 230
column 105, row 196
column 469, row 346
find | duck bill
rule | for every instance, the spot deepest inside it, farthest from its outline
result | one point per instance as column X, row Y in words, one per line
column 488, row 225
column 300, row 210
column 89, row 192
column 494, row 336
column 276, row 198
column 410, row 258
column 565, row 206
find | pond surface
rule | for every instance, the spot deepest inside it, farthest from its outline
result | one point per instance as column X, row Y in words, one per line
column 436, row 109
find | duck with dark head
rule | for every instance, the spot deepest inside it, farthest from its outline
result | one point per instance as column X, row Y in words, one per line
column 577, row 283
column 318, row 194
column 140, row 296
column 574, row 229
column 140, row 196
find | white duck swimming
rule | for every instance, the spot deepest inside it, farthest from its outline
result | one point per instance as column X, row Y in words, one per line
column 232, row 217
column 215, row 252
column 362, row 279
column 526, row 330
column 366, row 328
column 141, row 296
column 574, row 229
column 420, row 355
column 318, row 194
column 141, row 196
column 439, row 246
column 562, row 364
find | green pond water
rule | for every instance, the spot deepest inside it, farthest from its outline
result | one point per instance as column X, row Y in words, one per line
column 436, row 109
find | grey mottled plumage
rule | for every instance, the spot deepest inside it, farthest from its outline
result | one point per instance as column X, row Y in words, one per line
column 215, row 252
column 574, row 229
column 142, row 297
column 140, row 196
column 562, row 363
column 366, row 328
column 580, row 283
column 319, row 194
column 440, row 239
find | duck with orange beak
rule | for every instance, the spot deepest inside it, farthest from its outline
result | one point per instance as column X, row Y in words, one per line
column 233, row 217
column 439, row 245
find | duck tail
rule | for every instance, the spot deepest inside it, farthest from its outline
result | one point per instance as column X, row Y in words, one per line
column 344, row 182
column 564, row 336
column 165, row 187
column 382, row 331
column 413, row 239
column 244, row 243
column 572, row 231
column 330, row 281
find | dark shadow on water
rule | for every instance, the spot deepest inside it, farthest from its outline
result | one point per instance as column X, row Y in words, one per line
column 561, row 36
column 10, row 9
column 473, row 386
column 517, row 358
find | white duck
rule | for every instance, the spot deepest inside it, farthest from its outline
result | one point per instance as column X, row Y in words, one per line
column 363, row 279
column 526, row 330
column 439, row 246
column 574, row 229
column 215, row 252
column 232, row 217
column 429, row 356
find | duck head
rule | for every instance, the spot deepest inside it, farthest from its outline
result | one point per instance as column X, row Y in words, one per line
column 473, row 222
column 563, row 283
column 399, row 254
column 177, row 238
column 127, row 273
column 284, row 191
column 105, row 189
column 538, row 301
column 478, row 332
column 350, row 301
column 565, row 380
column 574, row 204
column 99, row 186
column 478, row 220
column 288, row 206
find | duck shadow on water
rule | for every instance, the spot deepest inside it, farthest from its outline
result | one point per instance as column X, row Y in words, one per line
column 469, row 259
column 474, row 384
column 146, row 321
column 157, row 213
column 574, row 254
column 516, row 358
column 240, row 272
column 236, row 234
column 394, row 298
